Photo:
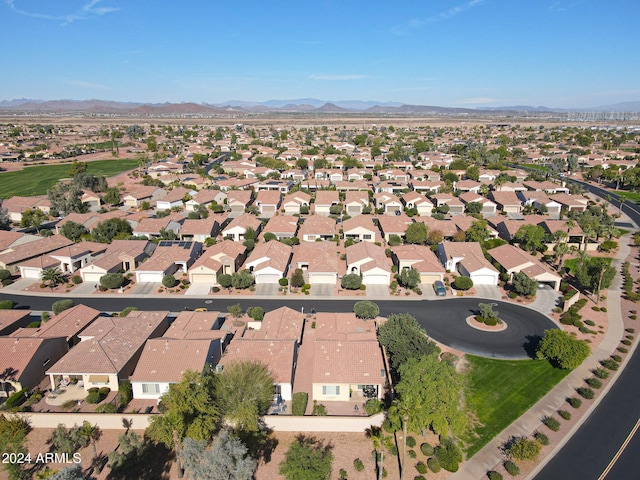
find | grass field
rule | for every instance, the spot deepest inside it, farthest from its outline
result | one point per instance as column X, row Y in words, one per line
column 633, row 196
column 37, row 179
column 572, row 262
column 500, row 391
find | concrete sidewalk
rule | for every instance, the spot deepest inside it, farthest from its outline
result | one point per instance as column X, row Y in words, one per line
column 491, row 455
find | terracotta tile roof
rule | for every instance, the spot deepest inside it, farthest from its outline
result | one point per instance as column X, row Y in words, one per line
column 317, row 225
column 29, row 250
column 68, row 323
column 202, row 226
column 327, row 197
column 282, row 224
column 283, row 323
column 360, row 221
column 167, row 359
column 109, row 343
column 343, row 326
column 16, row 354
column 10, row 319
column 275, row 255
column 277, row 355
column 427, row 262
column 338, row 361
column 193, row 323
column 245, row 221
column 320, row 256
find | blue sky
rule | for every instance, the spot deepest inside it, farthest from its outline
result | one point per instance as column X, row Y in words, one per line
column 471, row 53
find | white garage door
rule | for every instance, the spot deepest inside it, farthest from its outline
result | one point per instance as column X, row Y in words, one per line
column 353, row 209
column 429, row 279
column 92, row 276
column 484, row 280
column 323, row 278
column 375, row 280
column 149, row 277
column 202, row 278
column 30, row 273
column 267, row 278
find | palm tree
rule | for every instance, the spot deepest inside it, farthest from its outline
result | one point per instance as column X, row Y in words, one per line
column 377, row 437
column 399, row 412
column 52, row 276
column 92, row 433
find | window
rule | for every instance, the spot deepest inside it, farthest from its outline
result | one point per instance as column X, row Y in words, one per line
column 151, row 388
column 366, row 236
column 331, row 390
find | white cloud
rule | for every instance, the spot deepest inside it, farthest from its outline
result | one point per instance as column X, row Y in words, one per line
column 334, row 78
column 90, row 9
column 404, row 29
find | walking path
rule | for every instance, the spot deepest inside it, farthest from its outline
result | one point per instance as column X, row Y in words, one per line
column 491, row 455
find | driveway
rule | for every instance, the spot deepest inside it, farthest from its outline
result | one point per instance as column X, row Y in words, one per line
column 85, row 288
column 488, row 291
column 546, row 300
column 322, row 289
column 145, row 288
column 377, row 291
column 198, row 289
column 267, row 289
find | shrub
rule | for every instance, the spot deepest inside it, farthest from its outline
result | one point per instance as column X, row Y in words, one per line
column 600, row 373
column 34, row 325
column 585, row 392
column 169, row 281
column 61, row 306
column 351, row 282
column 541, row 438
column 616, row 358
column 552, row 423
column 4, row 274
column 16, row 399
column 421, row 467
column 125, row 394
column 44, row 317
column 493, row 475
column 358, row 465
column 462, row 283
column 524, row 449
column 373, row 406
column 299, row 403
column 610, row 364
column 413, row 454
column 6, row 304
column 564, row 414
column 411, row 442
column 511, row 468
column 104, row 391
column 257, row 313
column 224, row 280
column 76, row 279
column 426, row 449
column 419, row 477
column 575, row 402
column 283, row 282
column 594, row 382
column 562, row 350
column 241, row 280
column 448, row 454
column 106, row 408
column 366, row 309
column 112, row 280
column 626, row 342
column 93, row 398
column 622, row 350
column 434, row 465
column 491, row 322
column 591, row 323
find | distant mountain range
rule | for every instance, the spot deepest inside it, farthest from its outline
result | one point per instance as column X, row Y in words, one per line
column 301, row 105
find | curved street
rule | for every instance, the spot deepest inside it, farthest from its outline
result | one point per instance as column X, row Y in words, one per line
column 444, row 320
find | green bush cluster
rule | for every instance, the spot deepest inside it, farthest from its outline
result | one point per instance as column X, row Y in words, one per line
column 600, row 373
column 426, row 449
column 358, row 465
column 593, row 382
column 493, row 475
column 610, row 364
column 421, row 467
column 552, row 423
column 575, row 402
column 627, row 284
column 565, row 415
column 434, row 464
column 541, row 438
column 511, row 468
column 299, row 403
column 61, row 306
column 411, row 442
column 448, row 454
column 6, row 304
column 585, row 392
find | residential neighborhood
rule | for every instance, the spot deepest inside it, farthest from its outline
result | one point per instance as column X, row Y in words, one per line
column 332, row 223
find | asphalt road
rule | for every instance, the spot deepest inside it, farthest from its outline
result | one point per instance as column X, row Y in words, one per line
column 589, row 451
column 444, row 320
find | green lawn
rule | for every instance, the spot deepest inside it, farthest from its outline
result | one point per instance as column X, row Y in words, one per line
column 572, row 262
column 633, row 196
column 38, row 179
column 500, row 391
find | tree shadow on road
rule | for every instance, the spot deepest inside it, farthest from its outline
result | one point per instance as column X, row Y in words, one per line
column 531, row 345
